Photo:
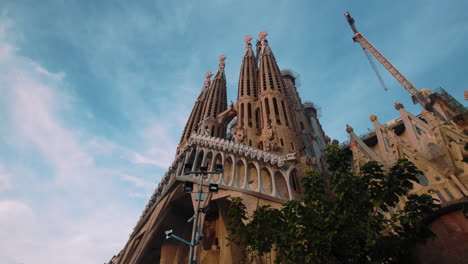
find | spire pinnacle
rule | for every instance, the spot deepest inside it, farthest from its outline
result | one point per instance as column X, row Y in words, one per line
column 262, row 36
column 221, row 61
column 265, row 49
column 220, row 73
column 208, row 79
column 247, row 40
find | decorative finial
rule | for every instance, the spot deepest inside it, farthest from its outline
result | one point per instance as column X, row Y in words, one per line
column 208, row 81
column 398, row 106
column 221, row 61
column 426, row 92
column 247, row 40
column 372, row 118
column 262, row 37
column 349, row 129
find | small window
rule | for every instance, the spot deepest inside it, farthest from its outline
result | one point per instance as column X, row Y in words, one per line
column 282, row 142
column 294, row 181
column 418, row 130
column 398, row 207
column 422, row 180
column 441, row 197
column 449, row 194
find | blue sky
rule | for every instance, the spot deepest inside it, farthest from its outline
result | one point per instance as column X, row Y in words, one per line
column 94, row 96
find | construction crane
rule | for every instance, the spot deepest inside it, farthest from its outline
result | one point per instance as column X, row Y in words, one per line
column 367, row 46
column 374, row 67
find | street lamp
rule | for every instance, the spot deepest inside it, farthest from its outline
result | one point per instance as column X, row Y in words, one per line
column 197, row 236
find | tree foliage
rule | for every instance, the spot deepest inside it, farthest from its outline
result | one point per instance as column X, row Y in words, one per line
column 345, row 219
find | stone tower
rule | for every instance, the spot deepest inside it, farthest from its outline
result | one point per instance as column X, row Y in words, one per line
column 196, row 114
column 216, row 103
column 275, row 138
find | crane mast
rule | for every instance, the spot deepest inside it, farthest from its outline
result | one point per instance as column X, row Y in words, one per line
column 415, row 93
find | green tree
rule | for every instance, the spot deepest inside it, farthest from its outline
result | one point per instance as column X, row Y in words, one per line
column 340, row 220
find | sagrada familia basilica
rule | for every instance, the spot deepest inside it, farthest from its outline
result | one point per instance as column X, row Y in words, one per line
column 267, row 140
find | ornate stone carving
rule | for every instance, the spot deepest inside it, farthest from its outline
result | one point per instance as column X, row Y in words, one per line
column 398, row 106
column 208, row 81
column 269, row 132
column 222, row 58
column 262, row 36
column 247, row 40
column 372, row 118
column 239, row 135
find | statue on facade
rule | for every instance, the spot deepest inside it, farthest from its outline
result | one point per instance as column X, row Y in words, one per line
column 269, row 132
column 247, row 40
column 222, row 58
column 262, row 37
column 208, row 77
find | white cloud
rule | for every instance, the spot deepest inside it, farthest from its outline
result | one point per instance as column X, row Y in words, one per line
column 138, row 182
column 70, row 218
column 5, row 180
column 139, row 195
column 57, row 76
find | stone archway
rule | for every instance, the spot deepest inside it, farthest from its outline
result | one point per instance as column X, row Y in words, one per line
column 240, row 173
column 228, row 170
column 267, row 183
column 217, row 160
column 281, row 185
column 252, row 177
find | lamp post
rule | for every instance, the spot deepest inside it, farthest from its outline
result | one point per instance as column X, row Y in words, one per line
column 196, row 234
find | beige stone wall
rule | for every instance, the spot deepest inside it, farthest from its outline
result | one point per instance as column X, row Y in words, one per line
column 435, row 147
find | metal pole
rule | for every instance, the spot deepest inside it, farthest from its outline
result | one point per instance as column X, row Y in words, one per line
column 196, row 222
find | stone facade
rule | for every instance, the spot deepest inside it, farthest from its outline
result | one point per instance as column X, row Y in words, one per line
column 435, row 143
column 436, row 147
column 265, row 141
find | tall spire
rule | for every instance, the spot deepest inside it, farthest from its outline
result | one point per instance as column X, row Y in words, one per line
column 195, row 116
column 248, row 118
column 216, row 102
column 248, row 73
column 278, row 120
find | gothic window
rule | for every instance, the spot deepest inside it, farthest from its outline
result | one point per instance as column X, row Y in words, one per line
column 257, row 118
column 292, row 145
column 241, row 115
column 398, row 207
column 449, row 194
column 284, row 113
column 295, row 181
column 267, row 106
column 241, row 82
column 418, row 130
column 387, row 142
column 282, row 142
column 422, row 180
column 441, row 197
column 275, row 106
column 302, row 126
column 249, row 114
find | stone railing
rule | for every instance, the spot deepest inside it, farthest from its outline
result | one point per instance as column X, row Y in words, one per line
column 240, row 149
column 219, row 144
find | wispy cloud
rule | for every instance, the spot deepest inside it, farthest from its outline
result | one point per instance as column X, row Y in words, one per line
column 69, row 212
column 5, row 180
column 138, row 182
